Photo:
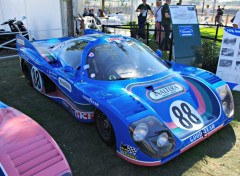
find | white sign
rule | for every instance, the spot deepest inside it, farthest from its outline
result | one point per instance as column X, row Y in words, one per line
column 229, row 60
column 183, row 14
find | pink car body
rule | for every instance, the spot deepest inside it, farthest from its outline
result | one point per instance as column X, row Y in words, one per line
column 26, row 149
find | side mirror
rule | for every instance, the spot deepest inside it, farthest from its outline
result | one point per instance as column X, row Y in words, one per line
column 68, row 69
column 159, row 53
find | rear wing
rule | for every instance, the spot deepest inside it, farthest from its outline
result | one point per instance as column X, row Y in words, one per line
column 22, row 42
column 42, row 48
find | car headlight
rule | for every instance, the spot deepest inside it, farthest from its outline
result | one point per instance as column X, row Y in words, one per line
column 227, row 100
column 140, row 132
column 152, row 137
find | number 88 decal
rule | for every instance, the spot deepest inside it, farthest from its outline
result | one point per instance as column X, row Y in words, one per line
column 185, row 116
column 36, row 78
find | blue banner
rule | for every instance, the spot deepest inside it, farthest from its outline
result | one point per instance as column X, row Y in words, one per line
column 234, row 31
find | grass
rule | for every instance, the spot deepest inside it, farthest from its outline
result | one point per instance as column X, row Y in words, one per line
column 88, row 155
column 211, row 32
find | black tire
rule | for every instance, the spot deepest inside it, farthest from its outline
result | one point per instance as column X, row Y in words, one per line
column 104, row 128
column 27, row 73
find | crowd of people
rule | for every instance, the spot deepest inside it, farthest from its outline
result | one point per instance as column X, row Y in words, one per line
column 90, row 12
column 161, row 14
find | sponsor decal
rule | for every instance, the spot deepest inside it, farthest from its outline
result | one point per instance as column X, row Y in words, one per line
column 185, row 116
column 84, row 115
column 88, row 38
column 203, row 133
column 20, row 42
column 128, row 151
column 112, row 77
column 90, row 100
column 78, row 114
column 65, row 84
column 36, row 79
column 114, row 39
column 91, row 54
column 165, row 91
column 92, row 75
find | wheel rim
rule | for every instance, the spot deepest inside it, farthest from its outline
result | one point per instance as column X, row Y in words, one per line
column 105, row 127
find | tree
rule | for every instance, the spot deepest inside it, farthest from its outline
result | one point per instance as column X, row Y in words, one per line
column 70, row 17
column 103, row 2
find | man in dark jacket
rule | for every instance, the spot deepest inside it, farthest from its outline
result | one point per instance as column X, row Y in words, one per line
column 218, row 16
column 166, row 22
column 142, row 17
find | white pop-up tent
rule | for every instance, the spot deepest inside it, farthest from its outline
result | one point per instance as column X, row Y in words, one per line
column 45, row 18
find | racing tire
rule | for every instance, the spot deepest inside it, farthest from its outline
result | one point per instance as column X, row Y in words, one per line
column 104, row 128
column 27, row 74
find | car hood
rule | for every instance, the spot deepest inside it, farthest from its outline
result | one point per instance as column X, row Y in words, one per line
column 184, row 104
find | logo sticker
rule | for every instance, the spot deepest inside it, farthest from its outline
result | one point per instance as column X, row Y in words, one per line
column 90, row 100
column 20, row 41
column 165, row 91
column 65, row 84
column 84, row 115
column 36, row 78
column 128, row 151
column 88, row 38
column 114, row 39
column 185, row 116
column 91, row 54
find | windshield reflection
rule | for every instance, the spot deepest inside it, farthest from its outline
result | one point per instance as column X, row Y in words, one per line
column 123, row 60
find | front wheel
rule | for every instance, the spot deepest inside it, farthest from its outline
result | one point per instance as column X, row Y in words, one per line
column 104, row 128
column 27, row 73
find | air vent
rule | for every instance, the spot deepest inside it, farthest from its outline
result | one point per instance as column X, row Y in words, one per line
column 34, row 156
column 128, row 105
column 209, row 77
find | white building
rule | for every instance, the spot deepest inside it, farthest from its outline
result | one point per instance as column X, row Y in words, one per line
column 45, row 18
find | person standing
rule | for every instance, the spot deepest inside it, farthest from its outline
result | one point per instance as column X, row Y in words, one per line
column 166, row 22
column 85, row 13
column 158, row 19
column 218, row 16
column 236, row 21
column 142, row 17
column 207, row 14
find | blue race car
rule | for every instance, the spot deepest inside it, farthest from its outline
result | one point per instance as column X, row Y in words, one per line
column 150, row 109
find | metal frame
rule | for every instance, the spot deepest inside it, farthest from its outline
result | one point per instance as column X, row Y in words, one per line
column 2, row 46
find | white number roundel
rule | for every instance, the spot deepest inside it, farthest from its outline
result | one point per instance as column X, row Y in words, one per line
column 36, row 79
column 185, row 116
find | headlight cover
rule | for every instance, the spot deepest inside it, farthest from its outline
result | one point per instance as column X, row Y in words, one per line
column 227, row 100
column 152, row 137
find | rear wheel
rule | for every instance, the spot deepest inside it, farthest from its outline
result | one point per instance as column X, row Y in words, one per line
column 27, row 73
column 104, row 128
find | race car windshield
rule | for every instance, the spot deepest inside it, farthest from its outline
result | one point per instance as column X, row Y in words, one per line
column 118, row 60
